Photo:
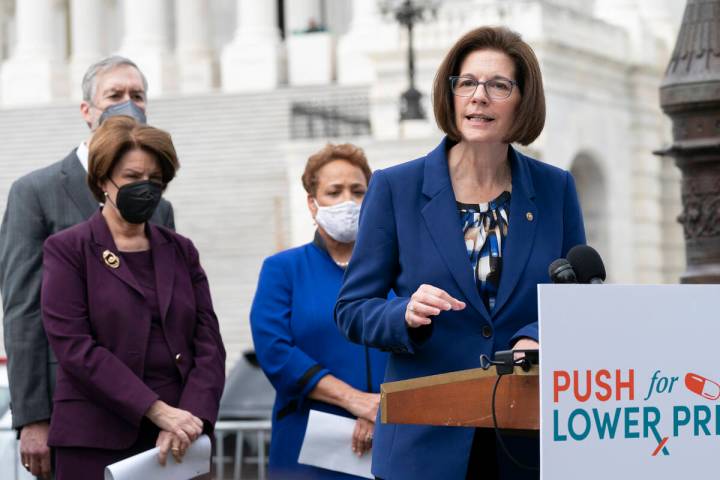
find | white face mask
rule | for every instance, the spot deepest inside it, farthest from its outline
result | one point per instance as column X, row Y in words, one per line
column 339, row 221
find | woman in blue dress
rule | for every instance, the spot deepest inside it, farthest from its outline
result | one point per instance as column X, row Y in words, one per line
column 305, row 357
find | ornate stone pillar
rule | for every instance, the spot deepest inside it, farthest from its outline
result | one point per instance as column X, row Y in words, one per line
column 33, row 74
column 146, row 42
column 251, row 60
column 86, row 26
column 195, row 62
column 690, row 95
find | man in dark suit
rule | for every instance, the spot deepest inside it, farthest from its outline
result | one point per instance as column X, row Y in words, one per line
column 40, row 204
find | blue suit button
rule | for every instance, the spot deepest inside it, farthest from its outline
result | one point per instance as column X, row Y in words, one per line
column 487, row 331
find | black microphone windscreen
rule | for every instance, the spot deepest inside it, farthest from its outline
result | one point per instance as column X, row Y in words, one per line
column 561, row 271
column 587, row 263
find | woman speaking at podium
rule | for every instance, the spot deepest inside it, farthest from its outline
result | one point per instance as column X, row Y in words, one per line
column 463, row 236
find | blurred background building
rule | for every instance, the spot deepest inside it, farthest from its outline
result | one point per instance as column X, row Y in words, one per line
column 249, row 88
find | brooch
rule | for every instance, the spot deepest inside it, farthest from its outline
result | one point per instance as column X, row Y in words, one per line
column 111, row 260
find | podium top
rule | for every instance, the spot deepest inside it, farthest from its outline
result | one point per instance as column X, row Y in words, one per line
column 450, row 377
column 464, row 398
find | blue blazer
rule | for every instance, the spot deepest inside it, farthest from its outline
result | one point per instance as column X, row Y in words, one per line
column 297, row 343
column 411, row 234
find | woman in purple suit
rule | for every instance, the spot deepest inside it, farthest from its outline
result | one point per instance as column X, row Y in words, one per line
column 127, row 310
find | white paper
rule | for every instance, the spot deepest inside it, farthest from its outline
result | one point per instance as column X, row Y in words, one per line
column 145, row 465
column 328, row 442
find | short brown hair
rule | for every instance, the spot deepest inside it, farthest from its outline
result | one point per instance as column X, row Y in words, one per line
column 530, row 114
column 346, row 151
column 117, row 136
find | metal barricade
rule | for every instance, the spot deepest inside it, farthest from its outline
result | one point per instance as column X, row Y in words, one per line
column 240, row 429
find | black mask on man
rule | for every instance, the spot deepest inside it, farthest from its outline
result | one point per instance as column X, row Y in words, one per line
column 137, row 201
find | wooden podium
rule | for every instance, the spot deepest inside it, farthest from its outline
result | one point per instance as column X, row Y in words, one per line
column 464, row 399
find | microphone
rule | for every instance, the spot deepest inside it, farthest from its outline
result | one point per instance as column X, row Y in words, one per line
column 587, row 264
column 561, row 271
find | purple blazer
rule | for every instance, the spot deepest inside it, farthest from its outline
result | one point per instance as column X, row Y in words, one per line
column 98, row 325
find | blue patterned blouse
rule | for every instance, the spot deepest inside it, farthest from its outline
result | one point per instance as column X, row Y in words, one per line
column 485, row 227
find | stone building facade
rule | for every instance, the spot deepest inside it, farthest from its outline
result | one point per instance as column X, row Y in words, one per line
column 249, row 88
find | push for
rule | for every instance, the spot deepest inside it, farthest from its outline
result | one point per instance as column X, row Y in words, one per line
column 660, row 384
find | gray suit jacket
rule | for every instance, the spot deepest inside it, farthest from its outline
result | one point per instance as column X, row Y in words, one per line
column 39, row 204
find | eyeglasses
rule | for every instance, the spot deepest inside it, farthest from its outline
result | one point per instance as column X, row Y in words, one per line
column 495, row 88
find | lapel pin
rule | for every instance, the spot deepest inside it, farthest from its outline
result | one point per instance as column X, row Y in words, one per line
column 111, row 260
column 529, row 216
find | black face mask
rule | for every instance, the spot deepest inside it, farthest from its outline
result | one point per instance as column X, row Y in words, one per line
column 137, row 201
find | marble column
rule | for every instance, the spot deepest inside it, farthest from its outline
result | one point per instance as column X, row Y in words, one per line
column 194, row 55
column 3, row 37
column 252, row 60
column 3, row 29
column 146, row 42
column 366, row 32
column 87, row 47
column 33, row 74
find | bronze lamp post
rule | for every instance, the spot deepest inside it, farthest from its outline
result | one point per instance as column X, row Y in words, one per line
column 690, row 96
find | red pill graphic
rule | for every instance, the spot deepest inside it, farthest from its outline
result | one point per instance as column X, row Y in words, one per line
column 704, row 387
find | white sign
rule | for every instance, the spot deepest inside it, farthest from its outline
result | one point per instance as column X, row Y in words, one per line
column 629, row 381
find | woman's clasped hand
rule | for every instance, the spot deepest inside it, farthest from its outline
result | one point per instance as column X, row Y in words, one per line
column 179, row 428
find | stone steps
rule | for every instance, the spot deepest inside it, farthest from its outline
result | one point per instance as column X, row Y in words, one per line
column 231, row 192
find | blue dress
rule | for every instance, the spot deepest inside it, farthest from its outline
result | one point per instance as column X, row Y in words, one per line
column 297, row 343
